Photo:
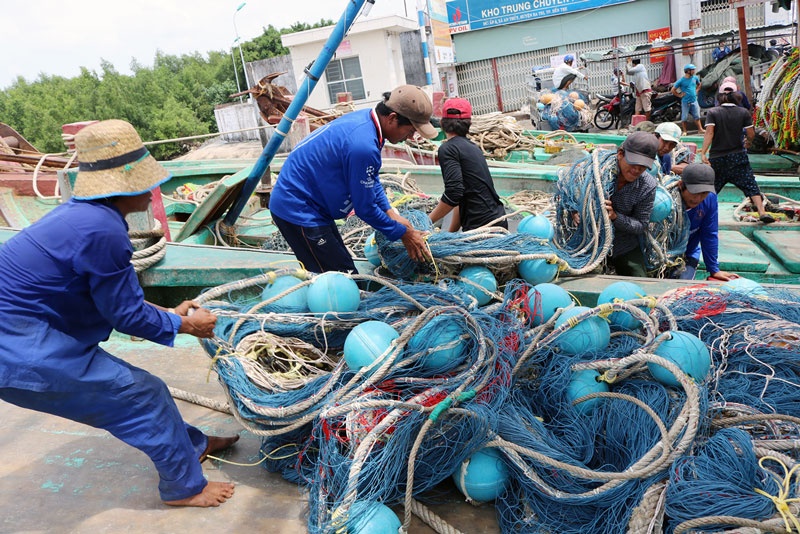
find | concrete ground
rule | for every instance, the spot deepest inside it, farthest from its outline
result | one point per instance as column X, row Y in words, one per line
column 60, row 476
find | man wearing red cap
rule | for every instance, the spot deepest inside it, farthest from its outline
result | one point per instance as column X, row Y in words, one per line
column 468, row 184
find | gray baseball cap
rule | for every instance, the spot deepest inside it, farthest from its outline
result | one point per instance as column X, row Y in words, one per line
column 640, row 148
column 698, row 178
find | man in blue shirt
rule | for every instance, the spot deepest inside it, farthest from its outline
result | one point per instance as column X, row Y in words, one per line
column 686, row 89
column 67, row 282
column 700, row 205
column 720, row 51
column 335, row 171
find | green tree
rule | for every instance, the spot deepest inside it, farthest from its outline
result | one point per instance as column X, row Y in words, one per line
column 173, row 99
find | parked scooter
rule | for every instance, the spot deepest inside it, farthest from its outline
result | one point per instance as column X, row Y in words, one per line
column 666, row 108
column 616, row 111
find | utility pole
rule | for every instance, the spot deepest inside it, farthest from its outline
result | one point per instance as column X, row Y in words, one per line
column 745, row 53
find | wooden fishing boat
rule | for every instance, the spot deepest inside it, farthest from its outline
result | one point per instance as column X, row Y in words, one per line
column 196, row 258
column 775, row 162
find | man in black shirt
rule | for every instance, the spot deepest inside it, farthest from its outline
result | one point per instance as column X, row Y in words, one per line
column 468, row 185
column 725, row 148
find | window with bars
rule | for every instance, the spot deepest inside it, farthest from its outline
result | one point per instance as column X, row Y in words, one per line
column 344, row 76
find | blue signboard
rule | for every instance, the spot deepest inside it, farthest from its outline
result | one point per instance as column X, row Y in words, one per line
column 466, row 15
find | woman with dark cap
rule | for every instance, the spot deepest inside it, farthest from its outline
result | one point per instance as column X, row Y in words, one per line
column 67, row 282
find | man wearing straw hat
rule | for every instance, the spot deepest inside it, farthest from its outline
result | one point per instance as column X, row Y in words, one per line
column 335, row 171
column 67, row 282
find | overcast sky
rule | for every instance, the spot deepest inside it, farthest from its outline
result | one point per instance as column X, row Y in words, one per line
column 55, row 37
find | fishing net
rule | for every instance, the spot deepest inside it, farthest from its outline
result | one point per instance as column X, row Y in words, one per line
column 565, row 111
column 777, row 106
column 583, row 229
column 641, row 442
column 491, row 246
column 665, row 241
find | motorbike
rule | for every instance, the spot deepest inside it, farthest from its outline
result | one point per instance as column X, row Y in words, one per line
column 666, row 108
column 618, row 110
column 614, row 111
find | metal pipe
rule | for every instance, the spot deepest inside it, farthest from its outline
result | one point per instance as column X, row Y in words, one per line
column 241, row 55
column 236, row 72
column 313, row 74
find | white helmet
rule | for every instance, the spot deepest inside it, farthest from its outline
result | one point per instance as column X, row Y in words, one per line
column 669, row 131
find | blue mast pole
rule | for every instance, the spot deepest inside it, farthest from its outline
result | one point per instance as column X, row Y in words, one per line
column 313, row 74
column 423, row 34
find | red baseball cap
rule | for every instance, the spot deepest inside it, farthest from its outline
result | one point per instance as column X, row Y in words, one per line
column 457, row 108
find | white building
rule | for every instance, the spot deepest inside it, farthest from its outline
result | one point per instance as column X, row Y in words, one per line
column 376, row 56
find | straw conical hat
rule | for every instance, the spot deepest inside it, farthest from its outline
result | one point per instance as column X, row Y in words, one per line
column 113, row 161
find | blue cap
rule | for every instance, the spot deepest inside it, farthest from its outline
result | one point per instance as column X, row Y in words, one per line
column 689, row 66
column 568, row 58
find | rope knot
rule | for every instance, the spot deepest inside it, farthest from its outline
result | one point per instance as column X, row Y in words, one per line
column 608, row 377
column 607, row 309
column 782, row 499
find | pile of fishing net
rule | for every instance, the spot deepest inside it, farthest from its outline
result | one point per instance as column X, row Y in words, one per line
column 584, row 230
column 402, row 192
column 565, row 110
column 633, row 415
column 574, row 239
column 667, row 234
column 492, row 248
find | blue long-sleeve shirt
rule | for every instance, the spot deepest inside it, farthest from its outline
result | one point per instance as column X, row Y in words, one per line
column 66, row 282
column 704, row 234
column 334, row 171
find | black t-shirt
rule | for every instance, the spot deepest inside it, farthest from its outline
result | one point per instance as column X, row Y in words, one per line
column 729, row 120
column 468, row 183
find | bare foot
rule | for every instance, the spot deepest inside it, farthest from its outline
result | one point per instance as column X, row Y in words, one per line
column 702, row 131
column 216, row 444
column 214, row 494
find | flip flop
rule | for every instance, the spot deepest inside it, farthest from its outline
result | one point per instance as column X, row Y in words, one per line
column 767, row 218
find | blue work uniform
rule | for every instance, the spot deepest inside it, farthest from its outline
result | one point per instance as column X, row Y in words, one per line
column 703, row 234
column 67, row 282
column 331, row 173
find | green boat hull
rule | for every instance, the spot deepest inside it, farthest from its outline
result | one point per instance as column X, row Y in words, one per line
column 193, row 262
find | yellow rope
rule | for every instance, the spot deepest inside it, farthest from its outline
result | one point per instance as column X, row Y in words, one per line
column 782, row 500
column 607, row 309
